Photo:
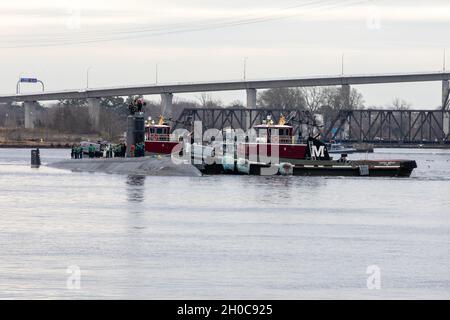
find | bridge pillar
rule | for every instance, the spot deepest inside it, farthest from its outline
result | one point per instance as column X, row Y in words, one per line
column 251, row 104
column 345, row 92
column 167, row 104
column 445, row 93
column 446, row 124
column 30, row 113
column 94, row 111
column 251, row 99
column 346, row 131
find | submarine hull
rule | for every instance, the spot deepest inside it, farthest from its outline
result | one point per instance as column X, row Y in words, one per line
column 150, row 165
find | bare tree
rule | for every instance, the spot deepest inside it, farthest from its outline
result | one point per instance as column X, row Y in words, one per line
column 282, row 98
column 73, row 102
column 11, row 115
column 236, row 104
column 334, row 98
column 207, row 101
column 67, row 119
column 399, row 104
column 314, row 98
column 112, row 124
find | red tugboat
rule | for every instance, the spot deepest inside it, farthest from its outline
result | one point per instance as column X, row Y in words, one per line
column 294, row 157
column 280, row 136
column 157, row 137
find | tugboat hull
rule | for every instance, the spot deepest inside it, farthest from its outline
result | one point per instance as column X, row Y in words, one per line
column 398, row 168
column 370, row 168
column 354, row 172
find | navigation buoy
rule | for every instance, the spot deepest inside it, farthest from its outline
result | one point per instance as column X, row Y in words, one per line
column 35, row 158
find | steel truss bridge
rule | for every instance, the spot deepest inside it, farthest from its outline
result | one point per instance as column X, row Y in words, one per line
column 393, row 127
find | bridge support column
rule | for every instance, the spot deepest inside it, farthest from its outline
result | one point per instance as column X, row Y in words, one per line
column 446, row 124
column 346, row 132
column 94, row 111
column 445, row 93
column 251, row 99
column 345, row 92
column 30, row 113
column 251, row 104
column 167, row 104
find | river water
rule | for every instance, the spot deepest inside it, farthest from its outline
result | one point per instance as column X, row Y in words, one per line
column 224, row 236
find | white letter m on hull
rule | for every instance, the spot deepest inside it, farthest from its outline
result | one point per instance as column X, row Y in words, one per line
column 318, row 153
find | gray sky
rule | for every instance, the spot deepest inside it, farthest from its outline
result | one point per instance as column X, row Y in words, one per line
column 202, row 40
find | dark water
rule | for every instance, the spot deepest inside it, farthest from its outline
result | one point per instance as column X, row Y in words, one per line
column 223, row 236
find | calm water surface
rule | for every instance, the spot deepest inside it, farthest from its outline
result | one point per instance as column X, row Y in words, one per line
column 224, row 236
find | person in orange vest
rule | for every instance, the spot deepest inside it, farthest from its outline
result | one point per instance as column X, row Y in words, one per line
column 132, row 149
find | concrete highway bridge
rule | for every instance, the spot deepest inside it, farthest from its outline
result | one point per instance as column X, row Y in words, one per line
column 167, row 91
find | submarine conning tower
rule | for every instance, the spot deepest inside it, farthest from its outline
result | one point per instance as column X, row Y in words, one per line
column 135, row 131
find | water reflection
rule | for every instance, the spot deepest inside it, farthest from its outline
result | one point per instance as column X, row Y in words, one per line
column 135, row 197
column 276, row 189
column 135, row 189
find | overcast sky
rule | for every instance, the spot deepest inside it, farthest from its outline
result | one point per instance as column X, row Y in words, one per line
column 202, row 40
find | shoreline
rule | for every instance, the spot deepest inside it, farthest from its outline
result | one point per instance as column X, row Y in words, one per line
column 36, row 145
column 412, row 146
column 59, row 145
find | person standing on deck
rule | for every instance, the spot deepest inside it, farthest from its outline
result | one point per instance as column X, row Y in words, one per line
column 91, row 151
column 137, row 151
column 141, row 149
